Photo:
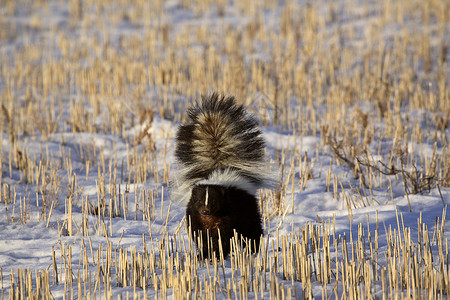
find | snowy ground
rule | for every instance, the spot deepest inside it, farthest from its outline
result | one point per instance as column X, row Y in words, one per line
column 27, row 237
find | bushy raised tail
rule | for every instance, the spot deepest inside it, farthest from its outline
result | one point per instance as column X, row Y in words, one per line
column 220, row 143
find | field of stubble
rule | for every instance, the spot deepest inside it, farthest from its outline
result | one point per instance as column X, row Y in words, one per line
column 354, row 101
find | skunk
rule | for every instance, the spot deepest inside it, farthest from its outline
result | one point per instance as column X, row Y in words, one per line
column 221, row 150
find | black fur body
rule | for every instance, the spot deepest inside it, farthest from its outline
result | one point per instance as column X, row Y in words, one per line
column 222, row 153
column 228, row 209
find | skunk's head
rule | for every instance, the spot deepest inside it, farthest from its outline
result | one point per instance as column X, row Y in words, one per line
column 209, row 200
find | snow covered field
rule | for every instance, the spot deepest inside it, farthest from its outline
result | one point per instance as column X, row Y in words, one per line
column 354, row 103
